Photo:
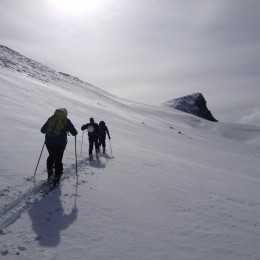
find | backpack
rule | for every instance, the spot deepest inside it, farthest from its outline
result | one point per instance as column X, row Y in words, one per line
column 57, row 122
column 90, row 128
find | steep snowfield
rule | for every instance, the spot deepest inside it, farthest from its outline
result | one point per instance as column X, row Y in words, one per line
column 174, row 187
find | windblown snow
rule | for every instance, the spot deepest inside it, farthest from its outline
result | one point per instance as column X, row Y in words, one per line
column 172, row 186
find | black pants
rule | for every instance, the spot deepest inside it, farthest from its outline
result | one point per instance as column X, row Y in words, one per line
column 102, row 141
column 93, row 140
column 55, row 159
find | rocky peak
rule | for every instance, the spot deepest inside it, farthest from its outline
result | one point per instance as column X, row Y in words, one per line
column 193, row 104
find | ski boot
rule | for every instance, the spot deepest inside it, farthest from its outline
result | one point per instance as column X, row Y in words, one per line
column 56, row 181
column 50, row 176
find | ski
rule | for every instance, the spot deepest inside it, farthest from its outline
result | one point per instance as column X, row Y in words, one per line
column 92, row 158
column 45, row 187
column 48, row 187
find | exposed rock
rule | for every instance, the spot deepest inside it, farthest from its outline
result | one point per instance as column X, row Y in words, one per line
column 193, row 104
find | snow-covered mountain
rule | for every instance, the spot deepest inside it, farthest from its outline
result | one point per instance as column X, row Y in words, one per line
column 172, row 186
column 194, row 104
column 15, row 61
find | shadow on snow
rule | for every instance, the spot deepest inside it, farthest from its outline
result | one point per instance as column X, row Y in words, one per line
column 48, row 218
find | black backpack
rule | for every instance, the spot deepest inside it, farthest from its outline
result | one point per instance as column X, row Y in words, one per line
column 102, row 128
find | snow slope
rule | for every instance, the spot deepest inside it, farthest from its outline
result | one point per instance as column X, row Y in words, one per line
column 174, row 186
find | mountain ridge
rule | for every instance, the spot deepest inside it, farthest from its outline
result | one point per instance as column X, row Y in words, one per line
column 15, row 61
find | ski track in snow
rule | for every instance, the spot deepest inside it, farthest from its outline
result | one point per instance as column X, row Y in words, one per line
column 12, row 210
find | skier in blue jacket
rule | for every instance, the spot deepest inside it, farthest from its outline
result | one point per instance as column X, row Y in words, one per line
column 56, row 146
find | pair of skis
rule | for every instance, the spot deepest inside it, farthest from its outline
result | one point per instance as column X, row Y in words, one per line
column 97, row 156
column 93, row 158
column 49, row 186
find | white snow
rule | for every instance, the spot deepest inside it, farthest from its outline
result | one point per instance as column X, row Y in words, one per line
column 174, row 187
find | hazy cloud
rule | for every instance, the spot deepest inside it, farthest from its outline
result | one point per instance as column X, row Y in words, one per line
column 146, row 50
column 253, row 118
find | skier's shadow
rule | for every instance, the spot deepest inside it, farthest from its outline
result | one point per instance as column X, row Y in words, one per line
column 97, row 163
column 48, row 219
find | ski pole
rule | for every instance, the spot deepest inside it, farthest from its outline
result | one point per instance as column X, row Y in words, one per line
column 76, row 158
column 38, row 160
column 110, row 147
column 81, row 142
column 76, row 195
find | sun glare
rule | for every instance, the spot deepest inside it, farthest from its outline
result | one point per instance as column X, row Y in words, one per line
column 74, row 7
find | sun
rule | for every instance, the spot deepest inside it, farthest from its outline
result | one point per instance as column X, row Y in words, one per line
column 75, row 7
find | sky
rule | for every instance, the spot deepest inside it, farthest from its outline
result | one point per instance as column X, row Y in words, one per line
column 148, row 51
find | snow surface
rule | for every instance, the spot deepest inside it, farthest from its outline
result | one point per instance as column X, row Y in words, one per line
column 173, row 186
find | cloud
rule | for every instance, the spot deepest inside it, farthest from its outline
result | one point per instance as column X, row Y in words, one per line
column 253, row 118
column 148, row 50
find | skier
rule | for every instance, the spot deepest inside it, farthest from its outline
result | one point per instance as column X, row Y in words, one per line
column 103, row 130
column 93, row 134
column 55, row 130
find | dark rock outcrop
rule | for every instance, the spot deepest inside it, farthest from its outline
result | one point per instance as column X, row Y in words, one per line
column 193, row 104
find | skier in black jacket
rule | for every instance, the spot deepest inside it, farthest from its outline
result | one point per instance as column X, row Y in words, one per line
column 93, row 134
column 103, row 130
